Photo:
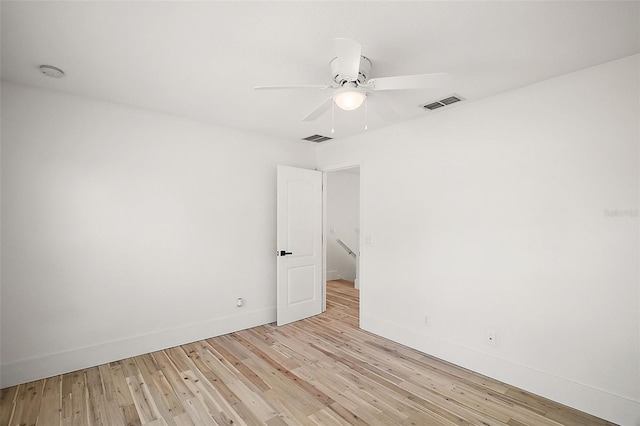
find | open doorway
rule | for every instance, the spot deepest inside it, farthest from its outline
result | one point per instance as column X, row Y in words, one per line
column 342, row 239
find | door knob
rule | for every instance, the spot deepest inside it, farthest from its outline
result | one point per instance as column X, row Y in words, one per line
column 284, row 253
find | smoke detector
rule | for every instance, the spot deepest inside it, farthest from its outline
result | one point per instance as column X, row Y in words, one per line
column 51, row 71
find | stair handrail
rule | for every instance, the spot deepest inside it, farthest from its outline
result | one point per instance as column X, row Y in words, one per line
column 346, row 247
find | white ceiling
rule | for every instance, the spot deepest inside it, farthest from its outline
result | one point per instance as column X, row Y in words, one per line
column 201, row 59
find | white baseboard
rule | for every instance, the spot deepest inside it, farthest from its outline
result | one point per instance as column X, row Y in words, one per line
column 37, row 368
column 597, row 402
column 333, row 275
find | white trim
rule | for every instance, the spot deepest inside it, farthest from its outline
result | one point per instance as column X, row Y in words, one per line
column 336, row 168
column 598, row 402
column 341, row 166
column 324, row 241
column 26, row 370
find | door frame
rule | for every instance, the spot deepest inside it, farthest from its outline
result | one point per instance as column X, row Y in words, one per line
column 361, row 281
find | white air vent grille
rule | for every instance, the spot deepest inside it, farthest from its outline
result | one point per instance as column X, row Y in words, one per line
column 316, row 138
column 442, row 102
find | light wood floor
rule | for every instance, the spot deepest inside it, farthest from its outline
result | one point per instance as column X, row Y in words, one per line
column 322, row 370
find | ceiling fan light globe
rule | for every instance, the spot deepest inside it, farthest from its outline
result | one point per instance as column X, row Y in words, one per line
column 349, row 100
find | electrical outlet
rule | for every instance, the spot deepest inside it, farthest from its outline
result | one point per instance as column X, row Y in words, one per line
column 427, row 320
column 490, row 338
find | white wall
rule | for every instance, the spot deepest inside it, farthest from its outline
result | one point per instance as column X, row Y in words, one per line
column 126, row 231
column 343, row 216
column 496, row 215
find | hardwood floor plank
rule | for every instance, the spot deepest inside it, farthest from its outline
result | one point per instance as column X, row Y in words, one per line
column 100, row 409
column 141, row 392
column 165, row 402
column 322, row 370
column 184, row 419
column 245, row 372
column 293, row 413
column 7, row 404
column 293, row 379
column 453, row 405
column 114, row 401
column 142, row 400
column 422, row 418
column 172, row 375
column 27, row 402
column 236, row 400
column 276, row 421
column 131, row 416
column 213, row 403
column 79, row 406
column 50, row 407
column 349, row 416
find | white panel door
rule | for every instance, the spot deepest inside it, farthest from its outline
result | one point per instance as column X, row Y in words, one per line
column 299, row 244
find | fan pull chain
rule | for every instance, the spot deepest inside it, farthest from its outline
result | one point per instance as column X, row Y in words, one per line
column 333, row 117
column 366, row 113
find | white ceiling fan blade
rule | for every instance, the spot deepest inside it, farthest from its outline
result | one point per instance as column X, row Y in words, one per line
column 308, row 86
column 382, row 109
column 320, row 109
column 420, row 81
column 348, row 56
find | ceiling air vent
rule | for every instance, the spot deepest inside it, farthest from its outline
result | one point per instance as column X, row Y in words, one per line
column 316, row 138
column 442, row 102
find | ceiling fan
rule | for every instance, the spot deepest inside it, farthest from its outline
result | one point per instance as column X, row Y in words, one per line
column 350, row 72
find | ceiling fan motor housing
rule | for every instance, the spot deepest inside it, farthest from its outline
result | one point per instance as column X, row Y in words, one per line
column 363, row 72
